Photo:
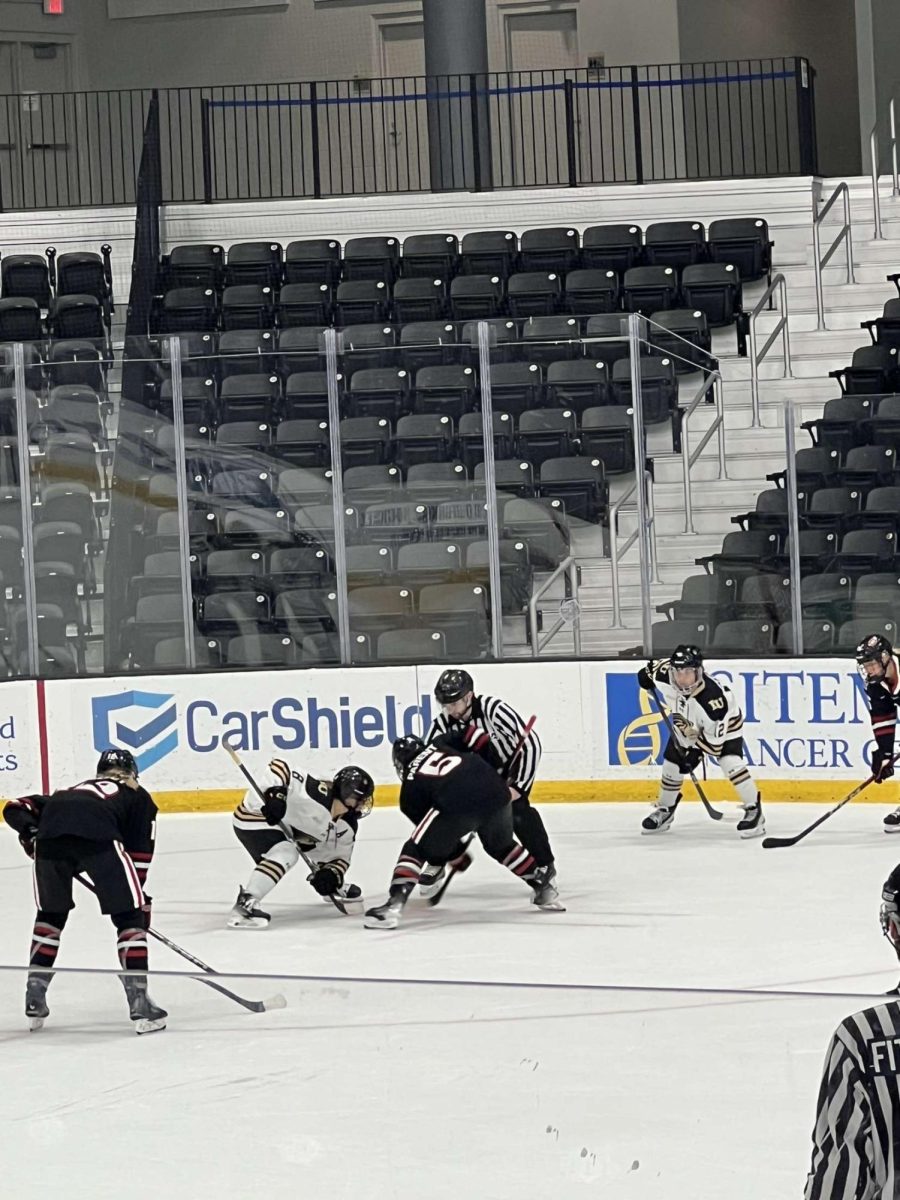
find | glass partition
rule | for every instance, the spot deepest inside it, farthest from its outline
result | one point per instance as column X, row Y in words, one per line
column 23, row 635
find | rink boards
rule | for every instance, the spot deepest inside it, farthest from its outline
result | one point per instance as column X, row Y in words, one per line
column 806, row 727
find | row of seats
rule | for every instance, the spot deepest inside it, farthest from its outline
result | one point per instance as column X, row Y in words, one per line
column 752, row 638
column 713, row 288
column 390, row 393
column 45, row 279
column 743, row 242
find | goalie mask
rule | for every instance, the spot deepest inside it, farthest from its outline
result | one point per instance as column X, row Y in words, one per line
column 873, row 656
column 686, row 670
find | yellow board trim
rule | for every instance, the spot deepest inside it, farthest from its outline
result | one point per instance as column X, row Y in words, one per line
column 583, row 791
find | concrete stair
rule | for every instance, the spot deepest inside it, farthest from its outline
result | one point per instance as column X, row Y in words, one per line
column 751, row 453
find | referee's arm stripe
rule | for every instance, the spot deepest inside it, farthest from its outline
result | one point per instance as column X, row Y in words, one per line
column 841, row 1166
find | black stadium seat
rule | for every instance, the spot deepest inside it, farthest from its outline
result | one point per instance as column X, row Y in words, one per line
column 612, row 247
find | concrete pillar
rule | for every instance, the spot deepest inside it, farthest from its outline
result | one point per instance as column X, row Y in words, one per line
column 456, row 67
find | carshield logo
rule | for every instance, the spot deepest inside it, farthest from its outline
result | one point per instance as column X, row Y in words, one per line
column 634, row 728
column 149, row 741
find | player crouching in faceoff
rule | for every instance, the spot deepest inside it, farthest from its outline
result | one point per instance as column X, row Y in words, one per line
column 448, row 795
column 707, row 719
column 299, row 817
column 880, row 669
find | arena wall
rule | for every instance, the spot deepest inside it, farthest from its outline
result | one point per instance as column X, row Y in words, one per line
column 806, row 727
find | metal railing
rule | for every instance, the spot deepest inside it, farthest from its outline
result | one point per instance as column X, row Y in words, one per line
column 570, row 611
column 617, row 552
column 876, row 173
column 717, row 427
column 845, row 234
column 554, row 128
column 756, row 355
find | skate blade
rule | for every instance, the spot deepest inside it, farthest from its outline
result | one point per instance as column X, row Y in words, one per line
column 350, row 908
column 653, row 832
column 245, row 923
column 553, row 906
column 891, row 828
column 374, row 923
column 35, row 1023
column 752, row 833
column 145, row 1025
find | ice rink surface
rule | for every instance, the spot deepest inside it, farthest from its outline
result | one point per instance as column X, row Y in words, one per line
column 373, row 1084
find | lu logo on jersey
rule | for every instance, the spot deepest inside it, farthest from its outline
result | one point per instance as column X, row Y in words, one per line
column 634, row 729
column 148, row 740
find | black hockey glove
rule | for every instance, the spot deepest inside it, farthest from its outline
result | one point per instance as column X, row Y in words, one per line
column 882, row 766
column 645, row 678
column 691, row 758
column 26, row 840
column 327, row 879
column 275, row 805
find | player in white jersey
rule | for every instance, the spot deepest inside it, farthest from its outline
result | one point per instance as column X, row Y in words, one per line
column 299, row 816
column 707, row 719
column 491, row 728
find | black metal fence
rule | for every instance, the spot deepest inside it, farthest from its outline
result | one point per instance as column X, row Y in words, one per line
column 749, row 118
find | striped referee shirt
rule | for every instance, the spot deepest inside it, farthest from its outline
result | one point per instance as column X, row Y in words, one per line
column 504, row 727
column 856, row 1141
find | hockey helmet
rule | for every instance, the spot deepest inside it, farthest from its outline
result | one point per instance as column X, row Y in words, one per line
column 873, row 649
column 686, row 658
column 355, row 788
column 116, row 759
column 453, row 685
column 405, row 751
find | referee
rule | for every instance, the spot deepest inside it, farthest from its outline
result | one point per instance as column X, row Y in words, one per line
column 493, row 729
column 856, row 1140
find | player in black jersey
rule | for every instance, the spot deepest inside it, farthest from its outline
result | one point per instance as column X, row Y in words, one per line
column 104, row 828
column 878, row 665
column 448, row 794
column 493, row 729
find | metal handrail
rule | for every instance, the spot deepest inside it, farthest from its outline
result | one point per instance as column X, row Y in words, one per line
column 616, row 553
column 568, row 567
column 873, row 151
column 845, row 233
column 687, row 458
column 756, row 357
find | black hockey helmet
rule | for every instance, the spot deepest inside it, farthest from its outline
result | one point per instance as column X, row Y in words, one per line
column 873, row 648
column 683, row 658
column 355, row 788
column 453, row 685
column 116, row 759
column 405, row 750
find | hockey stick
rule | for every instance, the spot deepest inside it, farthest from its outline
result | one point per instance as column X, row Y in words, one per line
column 277, row 1001
column 713, row 812
column 347, row 908
column 774, row 843
column 467, row 842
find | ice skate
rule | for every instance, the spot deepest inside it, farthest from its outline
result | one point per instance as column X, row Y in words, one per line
column 247, row 914
column 752, row 823
column 348, row 899
column 36, row 1009
column 431, row 880
column 546, row 895
column 147, row 1016
column 659, row 820
column 385, row 916
column 892, row 822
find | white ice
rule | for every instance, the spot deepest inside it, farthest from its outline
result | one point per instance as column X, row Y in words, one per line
column 372, row 1084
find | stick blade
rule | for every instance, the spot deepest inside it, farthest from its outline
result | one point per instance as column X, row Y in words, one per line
column 715, row 814
column 773, row 843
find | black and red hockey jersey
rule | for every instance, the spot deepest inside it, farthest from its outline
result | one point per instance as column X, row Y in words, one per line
column 884, row 696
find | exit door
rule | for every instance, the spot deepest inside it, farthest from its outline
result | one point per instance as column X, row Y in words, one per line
column 37, row 118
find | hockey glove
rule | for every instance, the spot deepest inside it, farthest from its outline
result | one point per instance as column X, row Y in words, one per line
column 882, row 765
column 688, row 733
column 645, row 677
column 275, row 805
column 327, row 880
column 691, row 758
column 26, row 840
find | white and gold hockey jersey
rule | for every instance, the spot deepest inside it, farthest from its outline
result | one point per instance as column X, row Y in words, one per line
column 308, row 817
column 708, row 719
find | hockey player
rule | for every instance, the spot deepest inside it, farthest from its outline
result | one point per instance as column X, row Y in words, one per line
column 707, row 720
column 450, row 795
column 878, row 665
column 494, row 730
column 300, row 816
column 105, row 828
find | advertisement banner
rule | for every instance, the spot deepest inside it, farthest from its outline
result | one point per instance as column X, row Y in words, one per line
column 20, row 746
